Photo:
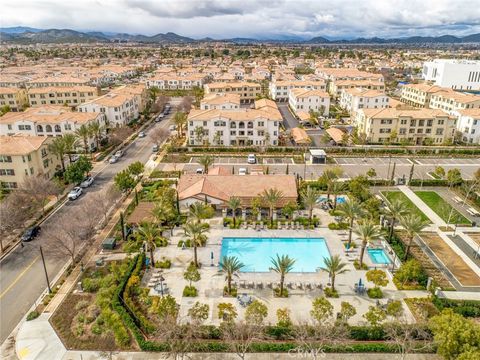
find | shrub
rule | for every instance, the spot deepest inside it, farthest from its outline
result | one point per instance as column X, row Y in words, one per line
column 276, row 292
column 368, row 333
column 330, row 293
column 163, row 264
column 83, row 304
column 233, row 291
column 375, row 293
column 411, row 273
column 467, row 308
column 90, row 285
column 279, row 332
column 33, row 315
column 338, row 226
column 190, row 291
column 356, row 264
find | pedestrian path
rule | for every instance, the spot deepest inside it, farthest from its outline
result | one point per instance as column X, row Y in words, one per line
column 437, row 220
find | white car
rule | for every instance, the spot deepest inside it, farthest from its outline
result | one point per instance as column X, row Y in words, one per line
column 172, row 128
column 141, row 134
column 199, row 171
column 75, row 193
column 251, row 159
column 113, row 159
column 86, row 182
column 242, row 171
column 119, row 153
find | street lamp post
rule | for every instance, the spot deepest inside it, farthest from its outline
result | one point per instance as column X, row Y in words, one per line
column 45, row 269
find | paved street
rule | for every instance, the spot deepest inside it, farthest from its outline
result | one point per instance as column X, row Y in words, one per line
column 22, row 278
column 288, row 120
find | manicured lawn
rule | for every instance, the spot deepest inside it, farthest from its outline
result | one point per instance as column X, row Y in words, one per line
column 441, row 207
column 398, row 195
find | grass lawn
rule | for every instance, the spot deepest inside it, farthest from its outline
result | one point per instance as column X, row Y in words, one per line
column 441, row 207
column 398, row 195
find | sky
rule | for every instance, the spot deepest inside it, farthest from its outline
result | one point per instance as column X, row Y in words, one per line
column 262, row 19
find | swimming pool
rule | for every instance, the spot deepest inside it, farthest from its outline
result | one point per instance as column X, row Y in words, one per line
column 378, row 256
column 255, row 253
column 340, row 199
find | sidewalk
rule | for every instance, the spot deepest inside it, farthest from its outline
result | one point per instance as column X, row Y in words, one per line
column 437, row 220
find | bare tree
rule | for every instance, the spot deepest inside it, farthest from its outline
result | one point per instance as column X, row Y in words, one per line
column 105, row 200
column 159, row 105
column 15, row 210
column 39, row 189
column 312, row 339
column 240, row 336
column 180, row 338
column 158, row 135
column 186, row 104
column 118, row 135
column 408, row 338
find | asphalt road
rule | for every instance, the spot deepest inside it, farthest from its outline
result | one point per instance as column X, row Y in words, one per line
column 289, row 120
column 22, row 278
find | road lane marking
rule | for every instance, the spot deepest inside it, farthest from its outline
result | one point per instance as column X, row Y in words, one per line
column 19, row 277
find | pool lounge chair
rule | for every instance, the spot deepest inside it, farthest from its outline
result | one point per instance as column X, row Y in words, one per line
column 269, row 285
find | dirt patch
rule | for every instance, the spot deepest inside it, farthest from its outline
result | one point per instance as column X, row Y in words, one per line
column 454, row 263
column 475, row 237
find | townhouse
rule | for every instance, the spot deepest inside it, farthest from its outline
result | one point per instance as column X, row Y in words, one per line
column 169, row 81
column 22, row 156
column 468, row 124
column 279, row 89
column 237, row 127
column 335, row 88
column 413, row 125
column 48, row 121
column 418, row 95
column 70, row 95
column 13, row 97
column 248, row 91
column 354, row 99
column 309, row 100
column 57, row 81
column 220, row 102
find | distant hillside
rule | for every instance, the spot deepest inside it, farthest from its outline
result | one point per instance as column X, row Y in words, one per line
column 444, row 39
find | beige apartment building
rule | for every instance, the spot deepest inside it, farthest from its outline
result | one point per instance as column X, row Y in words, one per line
column 449, row 100
column 22, row 156
column 13, row 97
column 418, row 95
column 248, row 91
column 70, row 96
column 396, row 125
column 336, row 87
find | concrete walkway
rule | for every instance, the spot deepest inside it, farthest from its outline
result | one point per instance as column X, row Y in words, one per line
column 437, row 220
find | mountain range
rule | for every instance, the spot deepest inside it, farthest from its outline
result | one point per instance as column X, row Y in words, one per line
column 28, row 35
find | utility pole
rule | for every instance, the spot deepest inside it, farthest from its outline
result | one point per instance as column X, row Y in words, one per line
column 393, row 172
column 411, row 174
column 45, row 269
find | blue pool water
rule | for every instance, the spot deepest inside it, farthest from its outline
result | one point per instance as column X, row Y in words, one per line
column 340, row 199
column 378, row 256
column 255, row 253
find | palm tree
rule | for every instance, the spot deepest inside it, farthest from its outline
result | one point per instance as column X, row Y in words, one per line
column 234, row 204
column 282, row 265
column 153, row 92
column 271, row 198
column 337, row 188
column 70, row 140
column 206, row 161
column 413, row 225
column 163, row 213
column 368, row 231
column 230, row 266
column 149, row 232
column 351, row 210
column 309, row 199
column 198, row 211
column 96, row 130
column 57, row 147
column 195, row 232
column 180, row 119
column 329, row 176
column 394, row 210
column 83, row 133
column 334, row 266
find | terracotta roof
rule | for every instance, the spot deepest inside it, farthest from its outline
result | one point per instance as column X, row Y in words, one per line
column 300, row 136
column 237, row 114
column 364, row 92
column 301, row 93
column 62, row 89
column 48, row 114
column 336, row 134
column 475, row 113
column 142, row 213
column 20, row 144
column 390, row 113
column 216, row 99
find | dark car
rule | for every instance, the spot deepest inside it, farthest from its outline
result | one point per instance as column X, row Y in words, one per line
column 30, row 233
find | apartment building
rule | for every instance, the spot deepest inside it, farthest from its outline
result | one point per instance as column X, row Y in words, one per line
column 248, row 91
column 236, row 127
column 469, row 125
column 418, row 95
column 355, row 99
column 279, row 89
column 336, row 87
column 415, row 126
column 13, row 97
column 454, row 74
column 450, row 100
column 220, row 102
column 309, row 100
column 169, row 81
column 22, row 156
column 71, row 96
column 48, row 120
column 58, row 81
column 120, row 106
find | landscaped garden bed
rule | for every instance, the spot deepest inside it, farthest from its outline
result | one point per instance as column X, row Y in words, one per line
column 443, row 209
column 400, row 196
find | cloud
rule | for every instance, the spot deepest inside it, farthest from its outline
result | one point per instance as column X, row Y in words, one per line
column 250, row 18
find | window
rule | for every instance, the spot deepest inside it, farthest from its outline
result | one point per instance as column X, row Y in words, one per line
column 57, row 128
column 9, row 172
column 5, row 158
column 67, row 127
column 45, row 163
column 48, row 128
column 24, row 127
column 44, row 152
column 402, row 131
column 439, row 132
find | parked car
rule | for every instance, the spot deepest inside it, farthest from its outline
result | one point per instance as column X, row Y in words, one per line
column 141, row 134
column 242, row 171
column 119, row 153
column 251, row 159
column 199, row 171
column 75, row 157
column 113, row 159
column 75, row 193
column 30, row 233
column 86, row 182
column 154, row 148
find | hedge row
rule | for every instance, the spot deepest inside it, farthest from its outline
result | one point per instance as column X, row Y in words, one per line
column 466, row 308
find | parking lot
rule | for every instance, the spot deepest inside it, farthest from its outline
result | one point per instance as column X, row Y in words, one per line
column 373, row 161
column 220, row 160
column 451, row 161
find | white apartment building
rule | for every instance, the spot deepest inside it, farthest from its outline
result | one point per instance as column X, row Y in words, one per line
column 172, row 81
column 279, row 89
column 306, row 100
column 354, row 99
column 220, row 102
column 418, row 95
column 454, row 74
column 469, row 125
column 48, row 120
column 417, row 125
column 449, row 100
column 235, row 127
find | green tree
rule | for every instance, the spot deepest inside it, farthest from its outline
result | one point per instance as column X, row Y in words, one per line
column 347, row 310
column 411, row 271
column 256, row 313
column 371, row 173
column 322, row 310
column 440, row 172
column 453, row 334
column 227, row 312
column 283, row 318
column 124, row 180
column 234, row 203
column 334, row 266
column 153, row 93
column 69, row 140
column 394, row 308
column 375, row 315
column 378, row 277
column 230, row 266
column 309, row 198
column 199, row 312
column 336, row 189
column 271, row 197
column 282, row 265
column 454, row 177
column 367, row 232
column 96, row 130
column 413, row 225
column 196, row 233
column 180, row 119
column 351, row 210
column 136, row 168
column 206, row 161
column 83, row 133
column 394, row 210
column 167, row 307
column 57, row 147
column 191, row 274
column 149, row 233
column 75, row 173
column 289, row 208
column 199, row 211
column 329, row 176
